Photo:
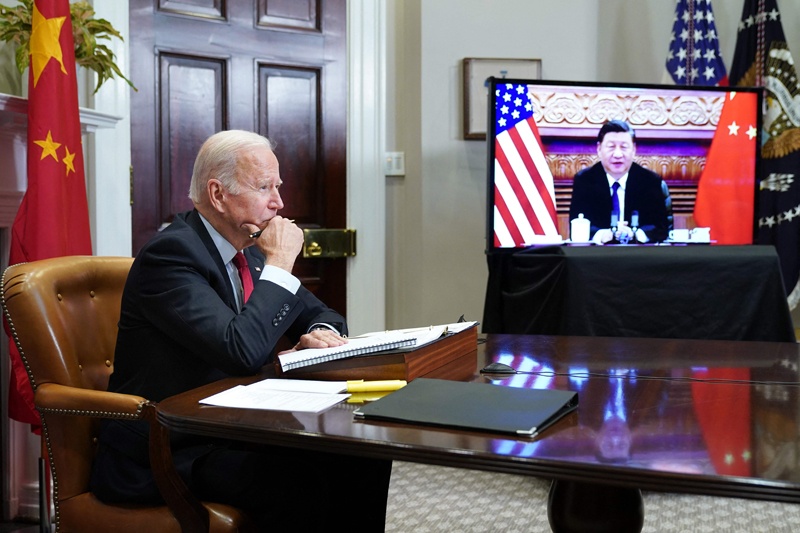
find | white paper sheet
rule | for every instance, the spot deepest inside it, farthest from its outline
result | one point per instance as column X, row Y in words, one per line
column 300, row 385
column 426, row 334
column 275, row 397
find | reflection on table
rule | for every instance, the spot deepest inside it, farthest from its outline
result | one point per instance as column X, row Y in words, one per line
column 692, row 420
column 707, row 417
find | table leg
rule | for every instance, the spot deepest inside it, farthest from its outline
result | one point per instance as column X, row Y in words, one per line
column 588, row 508
column 190, row 513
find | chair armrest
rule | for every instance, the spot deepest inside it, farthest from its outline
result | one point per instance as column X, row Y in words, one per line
column 62, row 399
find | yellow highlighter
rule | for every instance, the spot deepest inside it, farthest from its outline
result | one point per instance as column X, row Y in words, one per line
column 374, row 386
column 364, row 397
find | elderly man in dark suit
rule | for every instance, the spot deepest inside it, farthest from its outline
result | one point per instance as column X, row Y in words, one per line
column 623, row 201
column 196, row 309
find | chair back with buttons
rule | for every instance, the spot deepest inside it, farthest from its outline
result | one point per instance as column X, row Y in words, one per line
column 63, row 314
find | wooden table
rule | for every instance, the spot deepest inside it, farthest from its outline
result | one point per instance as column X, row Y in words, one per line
column 704, row 417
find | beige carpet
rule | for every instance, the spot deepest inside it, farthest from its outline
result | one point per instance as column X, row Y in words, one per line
column 426, row 498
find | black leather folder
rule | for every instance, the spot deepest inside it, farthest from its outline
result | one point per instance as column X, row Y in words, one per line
column 477, row 406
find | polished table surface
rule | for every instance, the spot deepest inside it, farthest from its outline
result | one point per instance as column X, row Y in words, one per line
column 705, row 417
column 689, row 292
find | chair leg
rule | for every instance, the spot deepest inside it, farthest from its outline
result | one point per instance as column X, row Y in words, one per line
column 44, row 501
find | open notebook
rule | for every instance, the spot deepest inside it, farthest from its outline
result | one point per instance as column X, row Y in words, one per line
column 370, row 343
column 478, row 406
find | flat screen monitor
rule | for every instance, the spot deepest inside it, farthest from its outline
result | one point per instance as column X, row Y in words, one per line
column 702, row 142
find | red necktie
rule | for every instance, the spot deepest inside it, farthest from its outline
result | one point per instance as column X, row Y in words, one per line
column 244, row 273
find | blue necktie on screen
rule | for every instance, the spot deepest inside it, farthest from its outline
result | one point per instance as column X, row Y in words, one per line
column 615, row 202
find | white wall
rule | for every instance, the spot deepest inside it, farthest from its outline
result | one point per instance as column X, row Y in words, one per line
column 436, row 268
column 110, row 161
column 437, row 212
column 633, row 35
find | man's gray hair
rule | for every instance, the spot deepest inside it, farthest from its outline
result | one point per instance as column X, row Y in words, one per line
column 219, row 158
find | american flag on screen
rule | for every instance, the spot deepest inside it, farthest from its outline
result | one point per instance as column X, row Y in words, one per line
column 693, row 57
column 524, row 197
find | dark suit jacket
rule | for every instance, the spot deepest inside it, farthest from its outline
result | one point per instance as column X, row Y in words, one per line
column 645, row 192
column 179, row 329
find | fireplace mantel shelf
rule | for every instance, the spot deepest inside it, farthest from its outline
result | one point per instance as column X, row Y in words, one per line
column 13, row 128
column 14, row 107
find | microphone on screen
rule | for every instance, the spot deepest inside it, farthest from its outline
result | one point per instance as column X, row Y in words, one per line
column 634, row 225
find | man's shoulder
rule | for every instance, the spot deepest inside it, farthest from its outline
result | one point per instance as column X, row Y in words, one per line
column 590, row 172
column 637, row 171
column 181, row 224
column 184, row 221
column 176, row 238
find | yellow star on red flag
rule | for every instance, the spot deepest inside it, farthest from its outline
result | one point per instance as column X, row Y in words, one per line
column 68, row 161
column 48, row 146
column 44, row 43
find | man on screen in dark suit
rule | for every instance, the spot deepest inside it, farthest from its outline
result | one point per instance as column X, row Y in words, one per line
column 623, row 201
column 190, row 318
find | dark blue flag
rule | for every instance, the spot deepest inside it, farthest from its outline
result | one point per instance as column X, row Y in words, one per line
column 762, row 59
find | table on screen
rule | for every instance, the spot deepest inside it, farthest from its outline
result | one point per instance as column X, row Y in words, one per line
column 689, row 292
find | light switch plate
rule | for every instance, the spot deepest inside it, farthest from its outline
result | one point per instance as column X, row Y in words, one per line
column 395, row 164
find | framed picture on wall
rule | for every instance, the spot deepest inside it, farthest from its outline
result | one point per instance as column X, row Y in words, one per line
column 476, row 72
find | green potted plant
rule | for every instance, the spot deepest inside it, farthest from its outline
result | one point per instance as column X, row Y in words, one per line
column 15, row 27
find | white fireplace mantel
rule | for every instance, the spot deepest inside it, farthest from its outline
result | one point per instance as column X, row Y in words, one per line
column 91, row 120
column 13, row 131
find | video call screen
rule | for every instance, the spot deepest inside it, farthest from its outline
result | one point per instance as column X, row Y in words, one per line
column 704, row 142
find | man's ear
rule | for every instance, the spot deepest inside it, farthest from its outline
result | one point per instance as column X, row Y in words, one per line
column 216, row 195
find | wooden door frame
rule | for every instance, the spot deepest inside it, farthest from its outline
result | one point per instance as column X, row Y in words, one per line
column 366, row 180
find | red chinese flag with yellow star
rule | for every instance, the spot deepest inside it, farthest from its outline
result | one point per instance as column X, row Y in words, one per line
column 726, row 194
column 722, row 406
column 53, row 219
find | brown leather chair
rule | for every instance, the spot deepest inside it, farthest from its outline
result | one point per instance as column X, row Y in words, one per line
column 63, row 315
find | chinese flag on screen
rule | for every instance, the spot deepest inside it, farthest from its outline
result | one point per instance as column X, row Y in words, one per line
column 53, row 219
column 722, row 407
column 726, row 192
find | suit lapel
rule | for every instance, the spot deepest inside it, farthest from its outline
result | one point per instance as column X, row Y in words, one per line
column 255, row 262
column 193, row 221
column 601, row 188
column 632, row 190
